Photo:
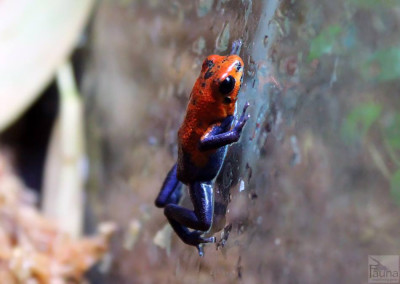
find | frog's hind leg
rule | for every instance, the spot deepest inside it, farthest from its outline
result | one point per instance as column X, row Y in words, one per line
column 199, row 219
column 171, row 190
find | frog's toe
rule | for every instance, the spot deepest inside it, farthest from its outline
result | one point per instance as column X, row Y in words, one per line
column 197, row 239
column 200, row 247
column 246, row 105
column 209, row 240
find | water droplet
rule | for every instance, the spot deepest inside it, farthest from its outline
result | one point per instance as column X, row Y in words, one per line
column 241, row 187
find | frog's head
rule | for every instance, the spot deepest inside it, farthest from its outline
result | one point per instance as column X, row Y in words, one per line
column 222, row 77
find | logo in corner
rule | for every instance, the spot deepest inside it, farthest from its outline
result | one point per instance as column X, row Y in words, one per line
column 383, row 269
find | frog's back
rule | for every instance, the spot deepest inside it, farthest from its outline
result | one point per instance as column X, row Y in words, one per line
column 207, row 108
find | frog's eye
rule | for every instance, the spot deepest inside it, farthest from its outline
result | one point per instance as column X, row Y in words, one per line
column 226, row 86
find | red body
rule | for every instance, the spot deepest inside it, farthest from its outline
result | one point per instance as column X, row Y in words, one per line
column 207, row 107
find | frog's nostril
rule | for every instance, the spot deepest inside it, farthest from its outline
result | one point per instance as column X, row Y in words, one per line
column 239, row 66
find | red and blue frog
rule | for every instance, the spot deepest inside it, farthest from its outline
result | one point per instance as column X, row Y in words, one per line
column 203, row 138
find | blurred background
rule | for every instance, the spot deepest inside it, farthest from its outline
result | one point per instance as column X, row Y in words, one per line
column 93, row 92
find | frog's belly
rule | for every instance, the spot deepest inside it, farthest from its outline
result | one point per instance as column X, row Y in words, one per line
column 188, row 172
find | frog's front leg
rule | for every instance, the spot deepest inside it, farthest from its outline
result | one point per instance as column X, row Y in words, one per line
column 171, row 189
column 200, row 219
column 210, row 141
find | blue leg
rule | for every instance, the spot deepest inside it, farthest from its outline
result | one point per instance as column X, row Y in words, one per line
column 171, row 190
column 199, row 219
column 215, row 141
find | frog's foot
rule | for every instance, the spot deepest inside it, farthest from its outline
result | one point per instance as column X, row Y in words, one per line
column 200, row 246
column 202, row 241
column 236, row 45
column 242, row 120
column 196, row 239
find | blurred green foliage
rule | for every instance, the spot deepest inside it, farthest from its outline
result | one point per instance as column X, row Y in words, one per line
column 392, row 132
column 325, row 42
column 383, row 65
column 359, row 120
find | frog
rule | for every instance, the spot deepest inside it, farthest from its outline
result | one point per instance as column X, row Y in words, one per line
column 208, row 128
